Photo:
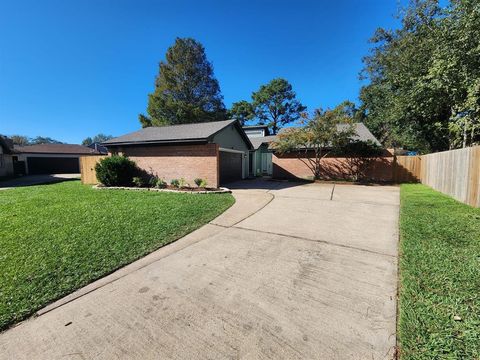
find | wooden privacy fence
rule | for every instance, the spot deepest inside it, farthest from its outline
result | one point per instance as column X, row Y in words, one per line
column 87, row 168
column 455, row 172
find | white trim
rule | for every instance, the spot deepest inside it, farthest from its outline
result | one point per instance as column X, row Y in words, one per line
column 231, row 150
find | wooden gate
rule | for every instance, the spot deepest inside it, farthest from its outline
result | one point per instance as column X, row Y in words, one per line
column 87, row 168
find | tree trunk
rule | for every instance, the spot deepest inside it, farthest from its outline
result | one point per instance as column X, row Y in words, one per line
column 465, row 122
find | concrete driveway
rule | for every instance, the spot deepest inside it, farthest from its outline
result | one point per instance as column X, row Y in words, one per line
column 291, row 271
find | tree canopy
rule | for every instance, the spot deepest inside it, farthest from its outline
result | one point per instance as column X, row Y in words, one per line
column 423, row 88
column 276, row 105
column 186, row 90
column 324, row 133
column 25, row 140
column 242, row 110
column 99, row 138
column 273, row 104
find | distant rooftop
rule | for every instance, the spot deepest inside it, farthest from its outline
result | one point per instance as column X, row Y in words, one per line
column 258, row 141
column 361, row 131
column 73, row 149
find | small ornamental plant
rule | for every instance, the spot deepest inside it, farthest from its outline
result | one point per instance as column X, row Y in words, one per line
column 138, row 181
column 182, row 183
column 175, row 183
column 201, row 183
column 160, row 184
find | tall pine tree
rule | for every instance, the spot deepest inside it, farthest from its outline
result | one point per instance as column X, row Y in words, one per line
column 186, row 90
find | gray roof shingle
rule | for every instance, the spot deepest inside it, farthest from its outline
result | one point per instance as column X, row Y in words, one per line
column 73, row 149
column 362, row 133
column 258, row 141
column 172, row 133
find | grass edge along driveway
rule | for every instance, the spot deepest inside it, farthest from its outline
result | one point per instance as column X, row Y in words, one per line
column 439, row 304
column 57, row 238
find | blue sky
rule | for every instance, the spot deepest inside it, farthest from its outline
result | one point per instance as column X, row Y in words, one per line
column 72, row 69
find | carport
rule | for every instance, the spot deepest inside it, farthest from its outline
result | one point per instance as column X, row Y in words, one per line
column 53, row 165
column 52, row 158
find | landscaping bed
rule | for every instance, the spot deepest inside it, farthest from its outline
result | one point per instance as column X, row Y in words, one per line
column 439, row 302
column 57, row 238
column 169, row 188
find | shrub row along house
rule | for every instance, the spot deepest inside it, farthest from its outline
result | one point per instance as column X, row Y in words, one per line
column 220, row 152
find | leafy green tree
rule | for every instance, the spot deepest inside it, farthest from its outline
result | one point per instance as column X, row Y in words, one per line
column 242, row 111
column 87, row 141
column 275, row 104
column 44, row 140
column 423, row 89
column 323, row 134
column 20, row 140
column 186, row 90
column 99, row 138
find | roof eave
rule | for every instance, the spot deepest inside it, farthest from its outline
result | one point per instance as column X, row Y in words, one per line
column 156, row 142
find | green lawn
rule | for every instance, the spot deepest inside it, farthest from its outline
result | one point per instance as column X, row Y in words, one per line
column 57, row 238
column 439, row 276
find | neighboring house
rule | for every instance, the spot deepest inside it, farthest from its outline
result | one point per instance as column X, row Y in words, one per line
column 6, row 157
column 260, row 159
column 52, row 158
column 290, row 166
column 215, row 151
column 98, row 147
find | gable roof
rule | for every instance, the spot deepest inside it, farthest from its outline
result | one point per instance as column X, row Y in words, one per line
column 196, row 132
column 98, row 147
column 71, row 149
column 361, row 131
column 258, row 141
column 249, row 128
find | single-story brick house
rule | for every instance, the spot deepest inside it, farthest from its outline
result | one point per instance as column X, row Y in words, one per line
column 215, row 151
column 52, row 158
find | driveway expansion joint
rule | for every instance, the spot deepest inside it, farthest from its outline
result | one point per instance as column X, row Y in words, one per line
column 315, row 240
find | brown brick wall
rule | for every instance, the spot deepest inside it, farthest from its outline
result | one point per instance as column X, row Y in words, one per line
column 290, row 167
column 178, row 161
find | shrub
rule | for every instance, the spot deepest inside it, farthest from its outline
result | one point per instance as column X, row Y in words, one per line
column 175, row 183
column 160, row 183
column 182, row 182
column 152, row 181
column 116, row 171
column 138, row 181
column 200, row 182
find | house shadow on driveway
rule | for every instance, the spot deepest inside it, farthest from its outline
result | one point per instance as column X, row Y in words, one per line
column 264, row 183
